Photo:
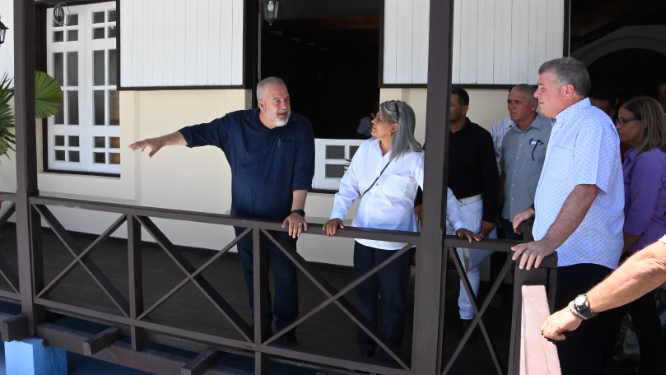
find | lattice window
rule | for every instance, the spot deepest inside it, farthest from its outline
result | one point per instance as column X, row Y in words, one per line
column 84, row 135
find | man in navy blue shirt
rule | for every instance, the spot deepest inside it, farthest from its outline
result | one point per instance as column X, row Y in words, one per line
column 271, row 154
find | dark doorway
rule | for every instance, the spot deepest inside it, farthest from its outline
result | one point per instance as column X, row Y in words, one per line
column 328, row 55
column 629, row 72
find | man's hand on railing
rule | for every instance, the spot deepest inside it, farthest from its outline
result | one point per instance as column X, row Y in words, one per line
column 297, row 225
column 331, row 227
column 558, row 323
column 471, row 236
column 532, row 253
column 520, row 218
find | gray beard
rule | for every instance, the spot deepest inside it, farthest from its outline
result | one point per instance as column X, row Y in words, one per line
column 279, row 122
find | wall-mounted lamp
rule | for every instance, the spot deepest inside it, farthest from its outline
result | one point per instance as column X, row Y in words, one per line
column 270, row 10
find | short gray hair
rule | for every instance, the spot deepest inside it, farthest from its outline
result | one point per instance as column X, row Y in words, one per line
column 529, row 90
column 267, row 81
column 403, row 140
column 569, row 71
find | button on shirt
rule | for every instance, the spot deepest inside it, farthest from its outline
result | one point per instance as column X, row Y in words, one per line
column 267, row 165
column 584, row 148
column 523, row 154
column 645, row 196
column 390, row 203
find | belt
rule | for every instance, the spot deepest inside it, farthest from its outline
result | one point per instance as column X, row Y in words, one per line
column 468, row 200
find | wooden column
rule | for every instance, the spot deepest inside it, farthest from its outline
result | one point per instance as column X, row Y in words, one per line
column 428, row 327
column 28, row 223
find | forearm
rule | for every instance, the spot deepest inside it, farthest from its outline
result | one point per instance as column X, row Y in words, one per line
column 174, row 139
column 629, row 241
column 571, row 215
column 299, row 199
column 640, row 274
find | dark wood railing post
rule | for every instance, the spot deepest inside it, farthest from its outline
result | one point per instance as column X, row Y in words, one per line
column 428, row 322
column 28, row 222
column 135, row 272
column 261, row 324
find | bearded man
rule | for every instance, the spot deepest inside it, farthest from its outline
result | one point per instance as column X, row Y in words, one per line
column 271, row 154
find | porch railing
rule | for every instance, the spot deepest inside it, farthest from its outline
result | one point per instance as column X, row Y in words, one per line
column 130, row 318
column 537, row 354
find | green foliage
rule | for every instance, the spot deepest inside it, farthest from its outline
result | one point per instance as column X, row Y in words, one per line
column 6, row 117
column 48, row 95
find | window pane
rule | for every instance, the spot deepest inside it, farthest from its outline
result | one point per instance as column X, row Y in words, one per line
column 55, row 24
column 74, row 156
column 72, row 68
column 72, row 35
column 335, row 152
column 114, row 142
column 73, row 20
column 114, row 107
column 112, row 32
column 73, row 107
column 60, row 116
column 58, row 36
column 60, row 155
column 99, row 142
column 59, row 140
column 98, row 33
column 335, row 170
column 98, row 17
column 58, row 66
column 352, row 151
column 114, row 158
column 73, row 141
column 98, row 68
column 112, row 16
column 99, row 107
column 113, row 67
column 99, row 157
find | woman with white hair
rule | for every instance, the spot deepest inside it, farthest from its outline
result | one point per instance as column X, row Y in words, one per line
column 385, row 173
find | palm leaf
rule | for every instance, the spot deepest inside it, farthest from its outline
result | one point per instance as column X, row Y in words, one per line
column 6, row 116
column 48, row 95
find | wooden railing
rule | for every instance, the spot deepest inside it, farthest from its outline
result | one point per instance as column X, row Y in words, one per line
column 538, row 355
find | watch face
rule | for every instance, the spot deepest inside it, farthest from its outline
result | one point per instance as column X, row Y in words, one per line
column 580, row 300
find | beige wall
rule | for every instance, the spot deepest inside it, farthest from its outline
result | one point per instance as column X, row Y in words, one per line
column 486, row 106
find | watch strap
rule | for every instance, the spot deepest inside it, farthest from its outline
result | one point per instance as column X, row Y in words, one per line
column 300, row 212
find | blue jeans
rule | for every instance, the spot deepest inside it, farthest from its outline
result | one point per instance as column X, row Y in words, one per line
column 392, row 280
column 285, row 307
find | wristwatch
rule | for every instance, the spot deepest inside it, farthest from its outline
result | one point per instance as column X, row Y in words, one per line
column 580, row 307
column 300, row 212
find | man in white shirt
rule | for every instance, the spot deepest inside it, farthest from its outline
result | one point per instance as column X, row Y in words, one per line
column 498, row 132
column 579, row 202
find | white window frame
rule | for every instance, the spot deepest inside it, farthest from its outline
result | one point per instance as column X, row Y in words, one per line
column 85, row 130
column 320, row 180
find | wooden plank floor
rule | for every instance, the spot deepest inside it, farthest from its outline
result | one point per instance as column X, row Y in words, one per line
column 329, row 329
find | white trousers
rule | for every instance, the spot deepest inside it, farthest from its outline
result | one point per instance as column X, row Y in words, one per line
column 472, row 258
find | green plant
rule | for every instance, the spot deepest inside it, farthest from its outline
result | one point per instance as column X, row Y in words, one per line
column 48, row 95
column 48, row 101
column 6, row 117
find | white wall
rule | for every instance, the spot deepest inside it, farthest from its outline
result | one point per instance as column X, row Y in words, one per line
column 494, row 41
column 181, row 43
column 7, row 48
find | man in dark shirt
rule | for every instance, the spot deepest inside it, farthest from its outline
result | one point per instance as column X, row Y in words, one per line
column 474, row 180
column 271, row 154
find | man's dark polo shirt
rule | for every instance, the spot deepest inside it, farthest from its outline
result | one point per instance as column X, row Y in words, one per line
column 267, row 165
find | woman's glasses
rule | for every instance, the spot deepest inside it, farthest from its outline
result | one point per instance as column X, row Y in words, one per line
column 622, row 121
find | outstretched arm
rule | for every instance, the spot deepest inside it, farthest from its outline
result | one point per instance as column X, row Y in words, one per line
column 640, row 274
column 155, row 144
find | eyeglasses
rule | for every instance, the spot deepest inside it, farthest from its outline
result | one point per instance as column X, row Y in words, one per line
column 622, row 121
